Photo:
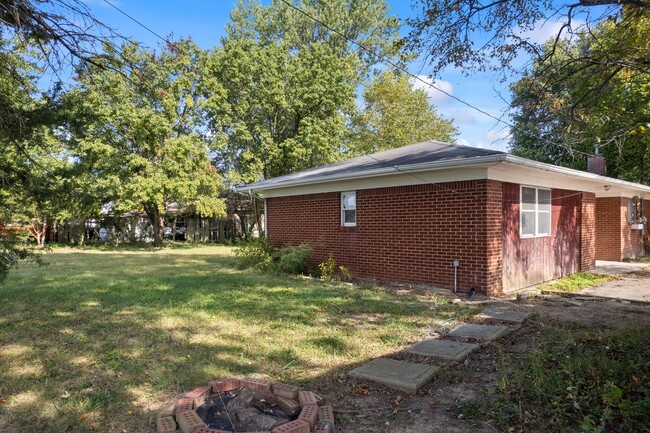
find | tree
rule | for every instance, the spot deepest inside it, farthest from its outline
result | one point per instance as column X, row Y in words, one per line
column 137, row 126
column 290, row 83
column 479, row 35
column 581, row 105
column 396, row 114
column 55, row 34
column 64, row 32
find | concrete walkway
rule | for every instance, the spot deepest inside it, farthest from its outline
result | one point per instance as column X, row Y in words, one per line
column 633, row 284
column 625, row 288
column 620, row 268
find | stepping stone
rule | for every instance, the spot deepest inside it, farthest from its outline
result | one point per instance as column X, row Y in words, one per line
column 445, row 349
column 479, row 332
column 505, row 315
column 400, row 375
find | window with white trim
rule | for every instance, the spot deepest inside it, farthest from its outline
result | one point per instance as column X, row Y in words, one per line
column 535, row 212
column 349, row 209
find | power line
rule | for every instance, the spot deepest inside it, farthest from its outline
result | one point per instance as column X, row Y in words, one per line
column 418, row 78
column 136, row 21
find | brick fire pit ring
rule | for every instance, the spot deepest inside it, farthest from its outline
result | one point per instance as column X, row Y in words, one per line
column 291, row 409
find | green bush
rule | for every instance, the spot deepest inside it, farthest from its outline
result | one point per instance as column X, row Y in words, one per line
column 293, row 259
column 259, row 254
column 330, row 271
column 254, row 253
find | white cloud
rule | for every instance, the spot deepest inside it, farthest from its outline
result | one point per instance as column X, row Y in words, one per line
column 549, row 29
column 499, row 135
column 500, row 146
column 435, row 96
column 463, row 117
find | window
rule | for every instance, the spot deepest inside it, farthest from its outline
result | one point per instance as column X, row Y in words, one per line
column 349, row 209
column 535, row 210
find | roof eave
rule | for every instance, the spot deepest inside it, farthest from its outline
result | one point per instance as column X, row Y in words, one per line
column 512, row 159
column 410, row 168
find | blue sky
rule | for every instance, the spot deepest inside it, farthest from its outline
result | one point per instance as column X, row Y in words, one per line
column 204, row 21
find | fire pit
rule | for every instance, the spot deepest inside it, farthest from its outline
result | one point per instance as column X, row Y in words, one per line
column 247, row 405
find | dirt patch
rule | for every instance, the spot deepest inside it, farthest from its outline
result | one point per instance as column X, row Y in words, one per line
column 451, row 402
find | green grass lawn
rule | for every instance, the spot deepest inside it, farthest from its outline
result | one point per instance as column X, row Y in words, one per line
column 98, row 340
column 576, row 282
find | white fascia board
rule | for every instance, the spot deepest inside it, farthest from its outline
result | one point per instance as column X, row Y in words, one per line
column 399, row 179
column 411, row 169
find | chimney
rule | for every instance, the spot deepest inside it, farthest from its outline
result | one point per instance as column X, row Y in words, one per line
column 596, row 163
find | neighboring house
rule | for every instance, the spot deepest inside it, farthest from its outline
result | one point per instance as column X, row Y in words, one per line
column 409, row 214
column 134, row 227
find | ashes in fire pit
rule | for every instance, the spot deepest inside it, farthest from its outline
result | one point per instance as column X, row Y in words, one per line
column 247, row 405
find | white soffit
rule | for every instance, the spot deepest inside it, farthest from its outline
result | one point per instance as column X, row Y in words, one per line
column 545, row 175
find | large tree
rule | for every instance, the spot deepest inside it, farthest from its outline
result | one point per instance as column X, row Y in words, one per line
column 567, row 106
column 396, row 114
column 137, row 125
column 290, row 82
column 490, row 34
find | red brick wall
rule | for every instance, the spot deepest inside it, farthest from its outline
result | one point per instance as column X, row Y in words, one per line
column 614, row 238
column 588, row 233
column 408, row 234
column 528, row 261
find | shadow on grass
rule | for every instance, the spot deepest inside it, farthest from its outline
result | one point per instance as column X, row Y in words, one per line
column 96, row 341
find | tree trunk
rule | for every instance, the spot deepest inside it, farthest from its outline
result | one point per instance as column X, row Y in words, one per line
column 157, row 221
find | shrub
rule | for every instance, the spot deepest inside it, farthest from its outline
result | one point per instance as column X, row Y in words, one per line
column 293, row 259
column 331, row 272
column 254, row 253
column 259, row 254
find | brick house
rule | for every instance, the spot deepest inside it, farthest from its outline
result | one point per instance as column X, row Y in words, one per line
column 409, row 214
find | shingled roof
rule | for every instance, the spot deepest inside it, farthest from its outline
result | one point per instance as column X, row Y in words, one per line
column 425, row 153
column 436, row 155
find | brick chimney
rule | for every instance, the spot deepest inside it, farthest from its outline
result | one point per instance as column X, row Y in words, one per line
column 596, row 165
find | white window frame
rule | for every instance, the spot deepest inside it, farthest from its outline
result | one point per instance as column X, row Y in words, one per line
column 537, row 211
column 343, row 209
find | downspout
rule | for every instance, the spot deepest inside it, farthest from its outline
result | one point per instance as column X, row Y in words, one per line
column 644, row 222
column 266, row 220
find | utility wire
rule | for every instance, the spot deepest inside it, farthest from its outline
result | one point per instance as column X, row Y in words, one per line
column 136, row 21
column 418, row 78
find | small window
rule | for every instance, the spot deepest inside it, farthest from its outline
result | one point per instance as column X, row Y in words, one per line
column 349, row 209
column 535, row 210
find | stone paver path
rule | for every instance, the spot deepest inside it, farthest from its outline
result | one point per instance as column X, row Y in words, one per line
column 404, row 376
column 410, row 377
column 452, row 350
column 504, row 315
column 479, row 332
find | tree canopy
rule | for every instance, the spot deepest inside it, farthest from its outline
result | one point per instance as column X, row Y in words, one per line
column 479, row 35
column 396, row 114
column 291, row 83
column 580, row 104
column 136, row 126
